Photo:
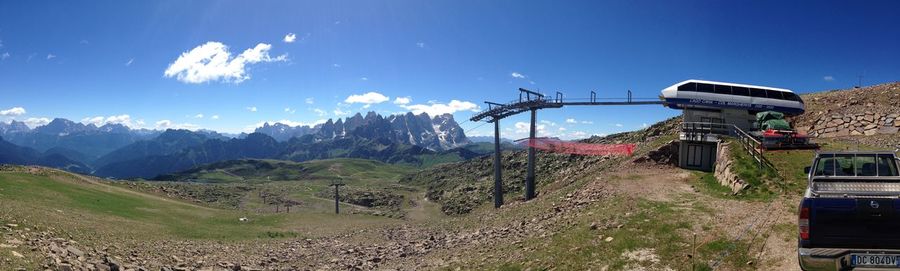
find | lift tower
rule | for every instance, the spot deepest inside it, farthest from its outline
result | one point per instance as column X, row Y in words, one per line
column 532, row 101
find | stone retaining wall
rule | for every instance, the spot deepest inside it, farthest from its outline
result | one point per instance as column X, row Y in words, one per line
column 724, row 171
column 867, row 123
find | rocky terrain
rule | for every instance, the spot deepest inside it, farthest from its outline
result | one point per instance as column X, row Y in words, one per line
column 851, row 113
column 461, row 187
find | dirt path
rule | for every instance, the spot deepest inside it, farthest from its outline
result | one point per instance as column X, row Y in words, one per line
column 424, row 210
column 758, row 223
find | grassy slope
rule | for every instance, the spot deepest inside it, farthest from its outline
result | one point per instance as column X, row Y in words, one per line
column 306, row 182
column 59, row 195
column 277, row 170
column 71, row 203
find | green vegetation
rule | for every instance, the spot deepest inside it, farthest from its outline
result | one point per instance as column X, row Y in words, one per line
column 764, row 182
column 58, row 195
column 149, row 210
column 641, row 234
column 708, row 184
column 255, row 171
column 372, row 187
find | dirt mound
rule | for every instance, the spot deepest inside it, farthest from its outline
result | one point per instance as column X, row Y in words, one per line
column 665, row 155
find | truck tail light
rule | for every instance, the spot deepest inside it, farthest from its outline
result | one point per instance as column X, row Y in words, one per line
column 803, row 222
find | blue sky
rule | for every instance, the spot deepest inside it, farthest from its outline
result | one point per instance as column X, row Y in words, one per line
column 136, row 62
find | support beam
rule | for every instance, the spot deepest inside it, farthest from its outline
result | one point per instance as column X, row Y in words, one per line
column 498, row 179
column 529, row 180
column 337, row 208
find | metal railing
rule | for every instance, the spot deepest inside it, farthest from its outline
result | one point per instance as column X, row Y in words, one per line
column 751, row 144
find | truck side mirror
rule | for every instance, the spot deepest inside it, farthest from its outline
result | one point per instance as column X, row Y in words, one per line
column 806, row 170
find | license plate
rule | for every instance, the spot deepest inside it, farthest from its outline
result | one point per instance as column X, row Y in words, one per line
column 890, row 260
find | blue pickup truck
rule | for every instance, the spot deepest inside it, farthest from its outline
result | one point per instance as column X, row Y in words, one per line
column 849, row 218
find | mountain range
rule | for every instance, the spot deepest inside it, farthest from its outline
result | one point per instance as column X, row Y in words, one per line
column 438, row 133
column 115, row 150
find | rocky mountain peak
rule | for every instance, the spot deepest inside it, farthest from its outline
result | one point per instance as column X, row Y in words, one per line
column 13, row 127
column 60, row 126
column 438, row 133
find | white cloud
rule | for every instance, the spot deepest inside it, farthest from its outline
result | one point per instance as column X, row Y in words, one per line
column 290, row 38
column 619, row 125
column 213, row 62
column 828, row 78
column 163, row 124
column 168, row 124
column 50, row 56
column 561, row 129
column 98, row 121
column 15, row 111
column 289, row 110
column 335, row 65
column 574, row 121
column 214, row 117
column 338, row 112
column 517, row 75
column 129, row 62
column 645, row 125
column 251, row 108
column 367, row 98
column 35, row 122
column 310, row 100
column 320, row 112
column 198, row 116
column 364, row 78
column 440, row 109
column 402, row 100
column 4, row 56
column 525, row 128
column 578, row 134
column 548, row 122
column 420, row 44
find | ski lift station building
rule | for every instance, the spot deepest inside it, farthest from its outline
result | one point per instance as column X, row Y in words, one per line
column 714, row 108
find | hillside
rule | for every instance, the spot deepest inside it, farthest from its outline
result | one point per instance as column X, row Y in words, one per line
column 190, row 219
column 850, row 114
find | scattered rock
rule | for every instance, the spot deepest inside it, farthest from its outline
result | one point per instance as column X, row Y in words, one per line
column 75, row 251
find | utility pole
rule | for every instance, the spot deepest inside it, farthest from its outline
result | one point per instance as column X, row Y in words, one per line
column 337, row 207
column 529, row 180
column 498, row 179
